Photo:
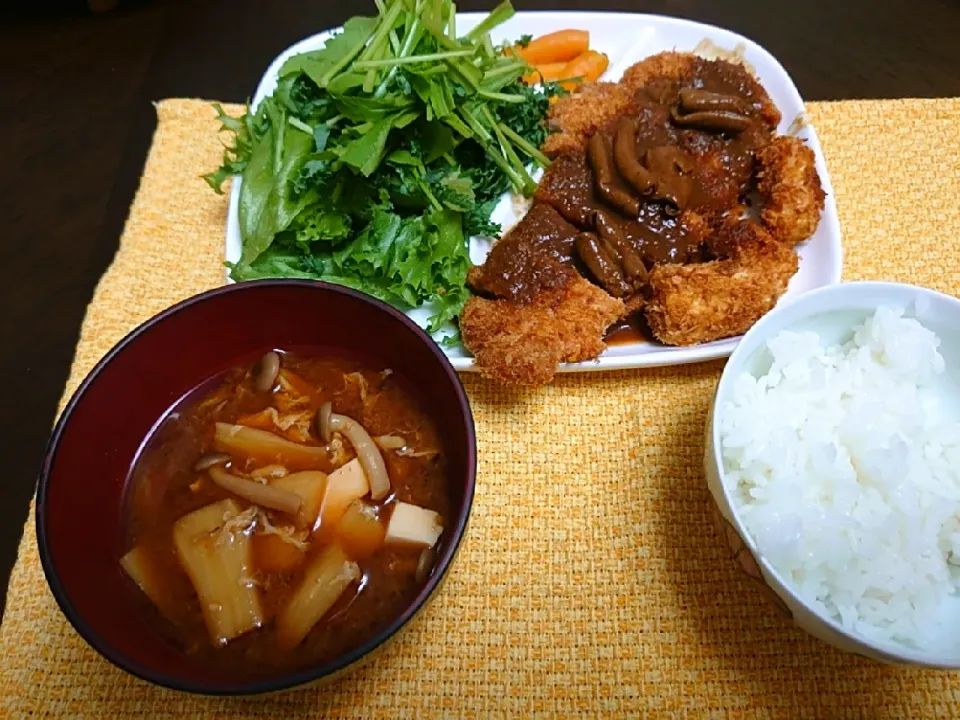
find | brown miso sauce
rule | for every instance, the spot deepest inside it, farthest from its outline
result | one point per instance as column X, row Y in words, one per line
column 163, row 487
column 629, row 330
column 695, row 175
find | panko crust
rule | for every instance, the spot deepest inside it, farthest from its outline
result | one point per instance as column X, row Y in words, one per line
column 789, row 188
column 692, row 304
column 523, row 344
column 577, row 116
column 669, row 66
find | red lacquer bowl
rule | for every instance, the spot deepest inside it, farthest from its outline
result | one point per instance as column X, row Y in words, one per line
column 81, row 487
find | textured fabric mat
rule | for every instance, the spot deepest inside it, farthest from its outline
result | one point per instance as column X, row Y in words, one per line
column 592, row 580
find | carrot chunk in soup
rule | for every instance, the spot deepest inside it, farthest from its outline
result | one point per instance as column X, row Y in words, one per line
column 273, row 554
column 360, row 531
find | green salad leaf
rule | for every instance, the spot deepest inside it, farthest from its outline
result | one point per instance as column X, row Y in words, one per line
column 377, row 156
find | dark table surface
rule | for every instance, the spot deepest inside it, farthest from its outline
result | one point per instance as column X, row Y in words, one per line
column 77, row 120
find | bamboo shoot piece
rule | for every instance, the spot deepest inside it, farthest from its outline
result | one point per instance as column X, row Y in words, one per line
column 267, row 496
column 360, row 531
column 216, row 558
column 413, row 526
column 268, row 449
column 310, row 485
column 141, row 567
column 329, row 573
column 344, row 485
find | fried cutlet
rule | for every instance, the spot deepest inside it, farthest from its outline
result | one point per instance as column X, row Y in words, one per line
column 673, row 225
column 567, row 186
column 662, row 76
column 665, row 66
column 691, row 304
column 529, row 258
column 523, row 344
column 789, row 188
column 577, row 116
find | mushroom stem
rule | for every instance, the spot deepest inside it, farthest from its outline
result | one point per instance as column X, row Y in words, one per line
column 694, row 99
column 367, row 452
column 625, row 156
column 209, row 459
column 601, row 159
column 265, row 374
column 425, row 564
column 611, row 231
column 264, row 495
column 323, row 422
column 722, row 120
column 601, row 260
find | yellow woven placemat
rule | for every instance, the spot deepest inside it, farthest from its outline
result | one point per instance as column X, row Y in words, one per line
column 592, row 580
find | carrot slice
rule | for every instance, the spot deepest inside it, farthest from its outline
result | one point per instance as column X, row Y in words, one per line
column 291, row 382
column 273, row 554
column 546, row 72
column 262, row 420
column 360, row 531
column 584, row 68
column 559, row 46
column 294, row 392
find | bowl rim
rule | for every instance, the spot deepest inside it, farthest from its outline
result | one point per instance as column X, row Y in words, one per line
column 285, row 681
column 734, row 366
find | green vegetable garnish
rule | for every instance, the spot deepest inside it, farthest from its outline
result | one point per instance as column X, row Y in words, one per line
column 377, row 156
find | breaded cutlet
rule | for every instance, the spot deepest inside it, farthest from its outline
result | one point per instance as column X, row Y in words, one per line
column 567, row 186
column 525, row 260
column 523, row 344
column 691, row 304
column 789, row 187
column 575, row 117
column 669, row 71
column 666, row 66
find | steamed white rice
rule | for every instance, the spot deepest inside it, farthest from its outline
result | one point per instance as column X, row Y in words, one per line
column 846, row 471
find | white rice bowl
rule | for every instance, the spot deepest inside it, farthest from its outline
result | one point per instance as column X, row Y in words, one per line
column 843, row 465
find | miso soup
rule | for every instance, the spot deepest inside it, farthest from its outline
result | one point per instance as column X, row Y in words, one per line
column 285, row 512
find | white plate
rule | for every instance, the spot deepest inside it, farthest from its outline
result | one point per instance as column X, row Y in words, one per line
column 628, row 38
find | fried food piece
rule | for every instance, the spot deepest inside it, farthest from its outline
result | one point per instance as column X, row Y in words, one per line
column 669, row 66
column 789, row 188
column 721, row 177
column 567, row 186
column 523, row 344
column 663, row 76
column 597, row 105
column 529, row 258
column 578, row 115
column 691, row 304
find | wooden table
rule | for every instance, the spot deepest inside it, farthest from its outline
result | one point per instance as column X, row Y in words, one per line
column 77, row 121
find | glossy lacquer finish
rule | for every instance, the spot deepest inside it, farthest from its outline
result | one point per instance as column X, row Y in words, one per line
column 81, row 486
